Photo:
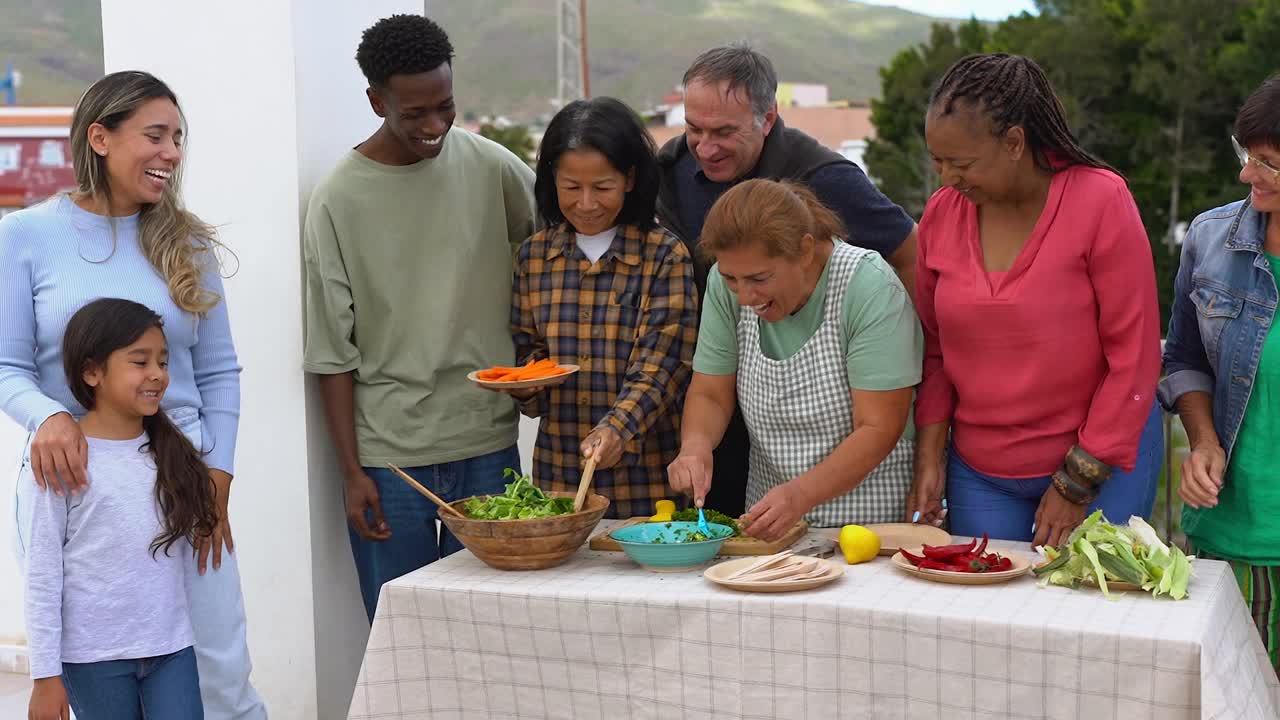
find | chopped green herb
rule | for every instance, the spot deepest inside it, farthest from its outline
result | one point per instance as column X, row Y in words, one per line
column 683, row 535
column 713, row 516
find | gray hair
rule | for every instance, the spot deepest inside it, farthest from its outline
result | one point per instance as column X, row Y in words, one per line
column 744, row 68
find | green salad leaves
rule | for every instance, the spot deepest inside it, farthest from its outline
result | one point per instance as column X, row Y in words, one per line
column 713, row 516
column 522, row 500
column 1099, row 553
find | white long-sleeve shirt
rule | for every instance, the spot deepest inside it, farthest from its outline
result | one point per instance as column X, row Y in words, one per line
column 93, row 591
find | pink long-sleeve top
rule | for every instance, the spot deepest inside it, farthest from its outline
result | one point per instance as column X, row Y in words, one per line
column 1062, row 349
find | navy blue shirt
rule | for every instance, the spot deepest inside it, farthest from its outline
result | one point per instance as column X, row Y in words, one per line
column 874, row 221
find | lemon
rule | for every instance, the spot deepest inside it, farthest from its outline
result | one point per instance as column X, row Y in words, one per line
column 662, row 511
column 858, row 544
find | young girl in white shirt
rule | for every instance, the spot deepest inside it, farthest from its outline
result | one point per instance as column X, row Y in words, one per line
column 106, row 609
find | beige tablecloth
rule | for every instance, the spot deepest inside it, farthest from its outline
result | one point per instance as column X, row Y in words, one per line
column 599, row 637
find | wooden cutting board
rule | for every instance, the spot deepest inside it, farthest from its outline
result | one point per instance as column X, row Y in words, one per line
column 740, row 545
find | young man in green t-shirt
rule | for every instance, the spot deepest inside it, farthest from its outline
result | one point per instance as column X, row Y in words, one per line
column 408, row 246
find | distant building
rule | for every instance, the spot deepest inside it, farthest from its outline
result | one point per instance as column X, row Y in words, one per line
column 35, row 155
column 801, row 95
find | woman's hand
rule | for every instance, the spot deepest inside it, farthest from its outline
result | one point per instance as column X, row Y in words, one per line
column 48, row 700
column 690, row 474
column 776, row 513
column 60, row 455
column 1202, row 472
column 222, row 531
column 605, row 445
column 925, row 498
column 1056, row 518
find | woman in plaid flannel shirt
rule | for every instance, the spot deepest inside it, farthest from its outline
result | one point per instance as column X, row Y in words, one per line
column 604, row 288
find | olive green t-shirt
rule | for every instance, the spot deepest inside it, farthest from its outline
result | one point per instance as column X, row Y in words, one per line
column 884, row 345
column 408, row 285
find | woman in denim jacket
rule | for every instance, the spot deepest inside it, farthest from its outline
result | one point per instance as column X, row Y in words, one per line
column 1223, row 369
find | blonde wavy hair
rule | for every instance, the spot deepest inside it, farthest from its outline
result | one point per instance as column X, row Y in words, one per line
column 178, row 244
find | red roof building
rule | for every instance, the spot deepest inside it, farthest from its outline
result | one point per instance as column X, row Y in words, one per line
column 35, row 155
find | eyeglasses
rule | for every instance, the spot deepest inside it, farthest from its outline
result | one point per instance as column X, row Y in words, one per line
column 1272, row 172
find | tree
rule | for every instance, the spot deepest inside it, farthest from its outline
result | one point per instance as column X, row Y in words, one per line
column 1150, row 86
column 1179, row 69
column 515, row 138
column 898, row 157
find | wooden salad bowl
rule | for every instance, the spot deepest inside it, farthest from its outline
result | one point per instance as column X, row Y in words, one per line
column 532, row 544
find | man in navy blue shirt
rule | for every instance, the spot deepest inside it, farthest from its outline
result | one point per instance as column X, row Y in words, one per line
column 732, row 133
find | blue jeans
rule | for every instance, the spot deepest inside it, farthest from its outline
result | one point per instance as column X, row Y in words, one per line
column 1006, row 508
column 414, row 540
column 217, row 617
column 166, row 687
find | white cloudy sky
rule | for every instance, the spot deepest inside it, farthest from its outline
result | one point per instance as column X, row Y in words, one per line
column 983, row 9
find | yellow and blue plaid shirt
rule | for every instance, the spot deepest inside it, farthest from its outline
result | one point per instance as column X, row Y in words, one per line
column 629, row 320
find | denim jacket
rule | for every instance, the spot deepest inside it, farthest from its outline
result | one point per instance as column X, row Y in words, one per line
column 1224, row 301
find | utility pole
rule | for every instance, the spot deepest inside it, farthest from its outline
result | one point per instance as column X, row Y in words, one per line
column 572, row 78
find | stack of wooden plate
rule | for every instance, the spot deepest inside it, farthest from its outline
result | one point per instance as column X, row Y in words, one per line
column 782, row 572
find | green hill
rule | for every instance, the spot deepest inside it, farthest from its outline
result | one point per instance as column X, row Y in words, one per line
column 56, row 45
column 637, row 49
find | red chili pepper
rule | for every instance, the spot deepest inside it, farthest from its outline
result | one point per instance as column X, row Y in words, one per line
column 948, row 552
column 930, row 564
column 915, row 559
column 983, row 547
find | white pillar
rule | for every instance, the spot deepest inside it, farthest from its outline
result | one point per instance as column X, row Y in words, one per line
column 273, row 97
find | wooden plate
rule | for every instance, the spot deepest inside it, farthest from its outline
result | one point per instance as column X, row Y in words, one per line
column 473, row 376
column 895, row 536
column 718, row 574
column 1021, row 566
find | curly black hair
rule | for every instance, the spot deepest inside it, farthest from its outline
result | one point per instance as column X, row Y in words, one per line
column 402, row 45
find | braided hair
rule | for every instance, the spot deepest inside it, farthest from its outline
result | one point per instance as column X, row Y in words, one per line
column 1012, row 90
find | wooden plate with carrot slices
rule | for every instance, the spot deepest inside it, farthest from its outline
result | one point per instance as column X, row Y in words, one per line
column 536, row 373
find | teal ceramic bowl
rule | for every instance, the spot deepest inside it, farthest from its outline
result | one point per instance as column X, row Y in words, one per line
column 645, row 544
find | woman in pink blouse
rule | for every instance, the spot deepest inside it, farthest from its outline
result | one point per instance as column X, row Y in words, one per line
column 1037, row 294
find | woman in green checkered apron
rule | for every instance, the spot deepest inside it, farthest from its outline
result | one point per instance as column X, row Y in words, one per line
column 817, row 342
column 1222, row 364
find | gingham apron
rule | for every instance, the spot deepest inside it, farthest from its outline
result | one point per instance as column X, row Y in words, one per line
column 799, row 409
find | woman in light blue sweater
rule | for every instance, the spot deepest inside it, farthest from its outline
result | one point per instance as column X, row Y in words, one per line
column 125, row 234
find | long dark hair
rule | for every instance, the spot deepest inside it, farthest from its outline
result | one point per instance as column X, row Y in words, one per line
column 184, row 488
column 1013, row 90
column 611, row 128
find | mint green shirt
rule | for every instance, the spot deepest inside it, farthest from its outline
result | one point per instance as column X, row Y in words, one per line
column 1245, row 525
column 408, row 286
column 884, row 345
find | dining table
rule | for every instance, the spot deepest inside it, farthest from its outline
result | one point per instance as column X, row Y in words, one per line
column 600, row 637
